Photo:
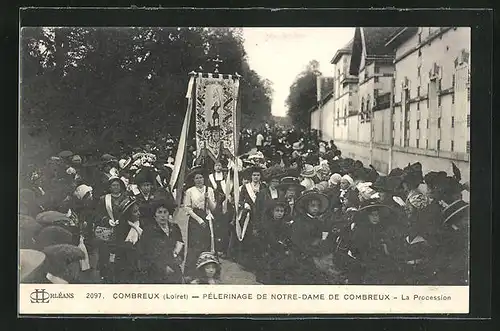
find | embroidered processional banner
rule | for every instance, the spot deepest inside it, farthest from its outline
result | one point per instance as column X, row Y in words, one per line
column 216, row 100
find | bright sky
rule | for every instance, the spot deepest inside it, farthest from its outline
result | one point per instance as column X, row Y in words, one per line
column 280, row 54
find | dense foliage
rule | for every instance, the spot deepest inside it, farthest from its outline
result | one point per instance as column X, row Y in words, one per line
column 302, row 96
column 92, row 90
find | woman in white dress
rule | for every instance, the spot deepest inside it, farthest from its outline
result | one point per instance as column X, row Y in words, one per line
column 199, row 202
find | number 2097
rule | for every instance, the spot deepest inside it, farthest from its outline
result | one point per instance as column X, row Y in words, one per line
column 93, row 296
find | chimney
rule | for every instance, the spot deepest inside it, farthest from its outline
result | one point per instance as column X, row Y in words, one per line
column 319, row 81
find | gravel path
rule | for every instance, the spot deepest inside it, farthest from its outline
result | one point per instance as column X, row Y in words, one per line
column 231, row 272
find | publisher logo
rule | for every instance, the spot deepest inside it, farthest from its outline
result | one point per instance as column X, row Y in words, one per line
column 40, row 296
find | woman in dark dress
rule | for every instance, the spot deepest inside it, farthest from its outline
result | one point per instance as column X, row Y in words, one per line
column 309, row 237
column 377, row 244
column 127, row 234
column 161, row 248
column 199, row 202
column 108, row 211
column 248, row 214
column 217, row 181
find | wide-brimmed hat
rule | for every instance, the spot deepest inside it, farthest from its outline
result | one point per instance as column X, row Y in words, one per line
column 145, row 175
column 117, row 179
column 371, row 174
column 381, row 184
column 31, row 265
column 450, row 187
column 322, row 170
column 273, row 203
column 123, row 163
column 304, row 199
column 290, row 181
column 358, row 164
column 335, row 179
column 60, row 256
column 346, row 165
column 65, row 154
column 308, row 171
column 348, row 179
column 108, row 158
column 28, row 229
column 365, row 191
column 53, row 235
column 206, row 258
column 125, row 205
column 396, row 172
column 435, row 178
column 247, row 172
column 198, row 169
column 387, row 184
column 453, row 212
column 412, row 174
column 297, row 146
column 162, row 201
column 51, row 217
column 321, row 186
column 256, row 156
column 274, row 172
column 77, row 159
column 371, row 206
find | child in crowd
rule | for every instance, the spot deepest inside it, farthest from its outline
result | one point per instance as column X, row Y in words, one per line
column 276, row 242
column 209, row 269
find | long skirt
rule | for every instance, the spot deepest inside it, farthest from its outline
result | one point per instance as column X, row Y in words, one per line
column 199, row 241
column 245, row 251
column 221, row 230
column 126, row 264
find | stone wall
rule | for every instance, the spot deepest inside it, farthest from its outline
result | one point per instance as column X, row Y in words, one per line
column 401, row 158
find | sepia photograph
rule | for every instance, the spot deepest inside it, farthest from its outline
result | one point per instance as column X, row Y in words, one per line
column 208, row 156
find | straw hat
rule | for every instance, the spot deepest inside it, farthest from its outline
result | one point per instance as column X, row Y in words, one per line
column 123, row 163
column 289, row 181
column 454, row 211
column 308, row 171
column 206, row 258
column 297, row 146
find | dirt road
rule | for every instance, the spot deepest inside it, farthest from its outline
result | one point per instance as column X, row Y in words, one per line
column 231, row 272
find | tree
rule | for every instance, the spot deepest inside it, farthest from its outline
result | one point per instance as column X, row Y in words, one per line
column 302, row 96
column 93, row 89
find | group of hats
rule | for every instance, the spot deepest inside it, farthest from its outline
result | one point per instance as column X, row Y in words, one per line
column 301, row 202
column 412, row 174
column 52, row 242
column 70, row 156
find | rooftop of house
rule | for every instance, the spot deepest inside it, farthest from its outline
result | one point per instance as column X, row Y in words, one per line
column 400, row 37
column 375, row 40
column 347, row 49
column 372, row 43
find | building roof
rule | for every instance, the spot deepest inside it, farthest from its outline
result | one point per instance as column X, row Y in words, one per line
column 347, row 49
column 376, row 38
column 372, row 43
column 401, row 36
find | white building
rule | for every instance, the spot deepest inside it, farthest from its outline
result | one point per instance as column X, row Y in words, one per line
column 425, row 71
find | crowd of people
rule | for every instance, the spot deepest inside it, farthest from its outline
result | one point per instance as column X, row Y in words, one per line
column 304, row 214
